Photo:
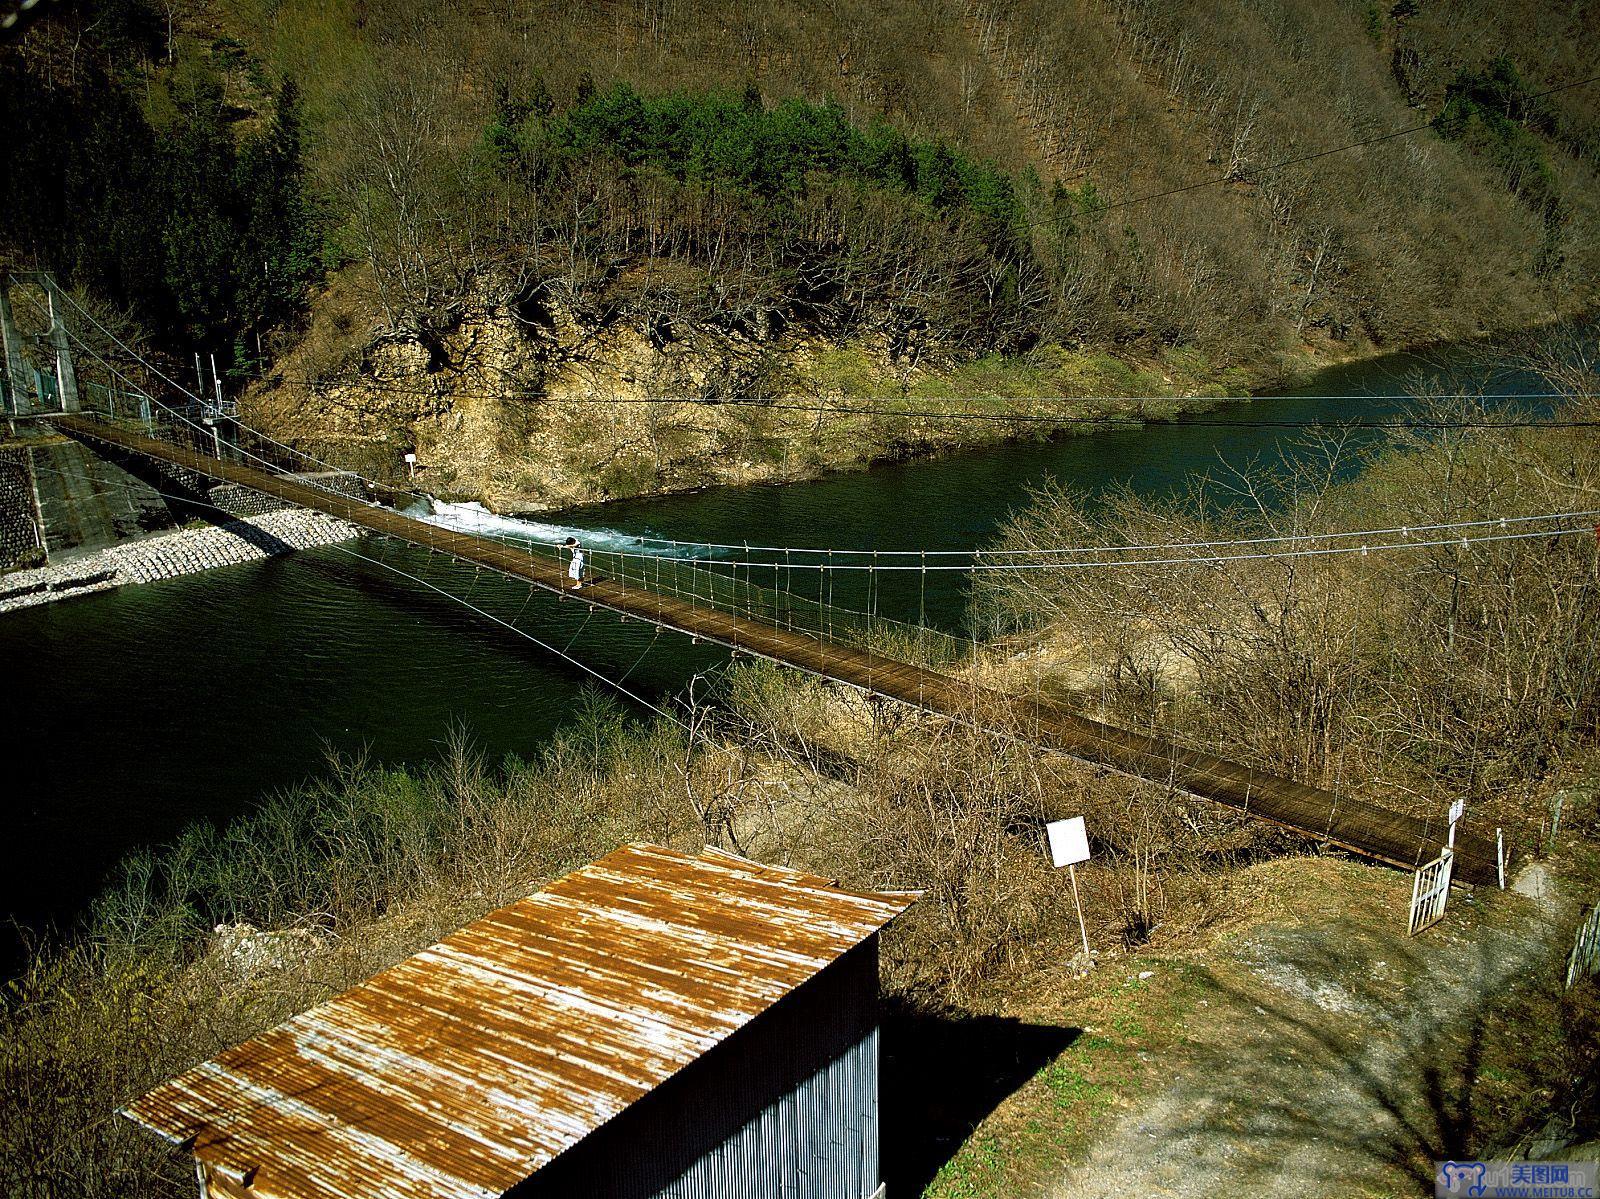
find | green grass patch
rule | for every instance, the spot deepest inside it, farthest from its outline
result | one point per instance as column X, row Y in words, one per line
column 1052, row 1121
column 971, row 1173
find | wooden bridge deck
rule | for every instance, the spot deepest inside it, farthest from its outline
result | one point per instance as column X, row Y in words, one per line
column 1353, row 824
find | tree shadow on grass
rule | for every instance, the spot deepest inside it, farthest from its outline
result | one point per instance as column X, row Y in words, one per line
column 942, row 1073
column 1377, row 1086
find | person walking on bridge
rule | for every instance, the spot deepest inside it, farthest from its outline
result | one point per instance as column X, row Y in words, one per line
column 575, row 567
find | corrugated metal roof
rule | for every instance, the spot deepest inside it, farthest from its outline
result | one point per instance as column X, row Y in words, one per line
column 466, row 1067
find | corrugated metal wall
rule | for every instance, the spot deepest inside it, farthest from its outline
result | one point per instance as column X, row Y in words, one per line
column 786, row 1108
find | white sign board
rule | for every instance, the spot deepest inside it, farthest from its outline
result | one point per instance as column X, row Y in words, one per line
column 1069, row 841
column 1458, row 810
column 411, row 459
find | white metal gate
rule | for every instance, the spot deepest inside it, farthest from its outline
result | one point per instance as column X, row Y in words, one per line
column 1430, row 890
column 1585, row 957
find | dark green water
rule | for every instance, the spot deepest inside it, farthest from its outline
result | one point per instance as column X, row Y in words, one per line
column 129, row 714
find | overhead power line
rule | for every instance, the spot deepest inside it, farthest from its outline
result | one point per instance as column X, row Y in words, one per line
column 618, row 684
column 921, row 565
column 1394, row 531
column 1100, row 420
column 788, row 551
column 1186, row 560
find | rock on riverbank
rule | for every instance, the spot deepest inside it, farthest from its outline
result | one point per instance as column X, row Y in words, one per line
column 168, row 555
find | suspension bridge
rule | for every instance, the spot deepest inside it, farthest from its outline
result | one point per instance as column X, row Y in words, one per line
column 1351, row 823
column 710, row 601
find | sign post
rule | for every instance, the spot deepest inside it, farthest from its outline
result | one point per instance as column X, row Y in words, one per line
column 1069, row 845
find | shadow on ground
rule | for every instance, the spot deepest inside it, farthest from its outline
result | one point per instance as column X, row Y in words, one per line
column 1365, row 1077
column 943, row 1072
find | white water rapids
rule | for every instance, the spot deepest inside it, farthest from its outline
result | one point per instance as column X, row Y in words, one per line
column 473, row 517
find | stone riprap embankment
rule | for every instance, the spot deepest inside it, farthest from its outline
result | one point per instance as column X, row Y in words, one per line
column 168, row 555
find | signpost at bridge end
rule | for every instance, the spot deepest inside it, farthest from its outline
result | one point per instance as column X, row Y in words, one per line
column 1069, row 845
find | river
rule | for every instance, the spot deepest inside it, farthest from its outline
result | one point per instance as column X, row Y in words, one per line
column 131, row 713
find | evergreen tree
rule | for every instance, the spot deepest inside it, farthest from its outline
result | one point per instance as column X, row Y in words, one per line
column 279, row 237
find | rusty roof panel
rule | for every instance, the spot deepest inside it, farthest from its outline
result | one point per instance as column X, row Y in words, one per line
column 466, row 1067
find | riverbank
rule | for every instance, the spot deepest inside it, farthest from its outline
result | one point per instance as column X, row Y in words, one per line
column 524, row 420
column 854, row 410
column 595, row 428
column 170, row 555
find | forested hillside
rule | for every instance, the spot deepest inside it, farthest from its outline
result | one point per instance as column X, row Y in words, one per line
column 702, row 199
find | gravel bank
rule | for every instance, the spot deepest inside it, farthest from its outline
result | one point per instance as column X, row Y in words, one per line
column 168, row 555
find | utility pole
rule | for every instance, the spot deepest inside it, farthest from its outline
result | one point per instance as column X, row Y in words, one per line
column 66, row 375
column 60, row 345
column 11, row 390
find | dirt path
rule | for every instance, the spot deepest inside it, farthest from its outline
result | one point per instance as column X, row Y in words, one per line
column 1331, row 1058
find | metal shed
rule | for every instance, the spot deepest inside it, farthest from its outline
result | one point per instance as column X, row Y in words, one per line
column 653, row 1024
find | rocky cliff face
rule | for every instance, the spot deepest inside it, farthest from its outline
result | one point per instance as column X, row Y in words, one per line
column 532, row 406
